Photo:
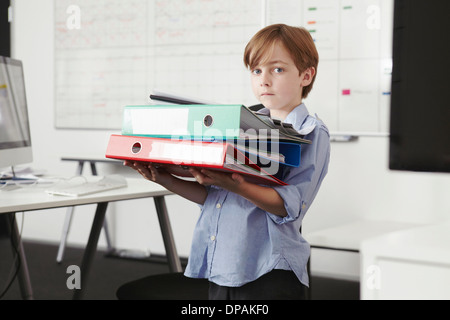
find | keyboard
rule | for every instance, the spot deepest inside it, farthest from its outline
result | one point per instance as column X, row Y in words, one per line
column 76, row 190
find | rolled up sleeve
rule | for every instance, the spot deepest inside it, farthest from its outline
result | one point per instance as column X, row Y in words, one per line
column 292, row 203
column 304, row 181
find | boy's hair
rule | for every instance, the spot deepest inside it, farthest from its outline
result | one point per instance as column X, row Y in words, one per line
column 296, row 40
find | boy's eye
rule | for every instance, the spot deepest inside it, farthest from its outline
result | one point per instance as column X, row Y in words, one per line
column 256, row 71
column 278, row 70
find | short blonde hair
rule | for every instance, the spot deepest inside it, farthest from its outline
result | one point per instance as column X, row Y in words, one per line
column 296, row 40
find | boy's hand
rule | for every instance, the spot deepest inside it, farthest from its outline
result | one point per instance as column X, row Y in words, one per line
column 150, row 172
column 190, row 190
column 229, row 181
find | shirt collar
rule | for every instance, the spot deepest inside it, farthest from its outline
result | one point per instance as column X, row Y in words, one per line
column 297, row 116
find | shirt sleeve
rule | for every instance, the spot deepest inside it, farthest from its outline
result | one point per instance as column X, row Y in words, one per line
column 304, row 181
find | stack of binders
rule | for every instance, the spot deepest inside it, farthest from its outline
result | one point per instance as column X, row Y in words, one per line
column 228, row 138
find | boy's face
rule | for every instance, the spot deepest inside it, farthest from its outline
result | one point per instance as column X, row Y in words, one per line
column 277, row 83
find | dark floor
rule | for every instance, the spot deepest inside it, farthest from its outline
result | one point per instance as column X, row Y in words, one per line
column 49, row 278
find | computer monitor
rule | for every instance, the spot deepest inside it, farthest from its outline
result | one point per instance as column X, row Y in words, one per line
column 15, row 138
column 420, row 110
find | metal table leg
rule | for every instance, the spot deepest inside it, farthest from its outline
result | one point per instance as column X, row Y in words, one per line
column 67, row 221
column 166, row 230
column 69, row 214
column 91, row 248
column 65, row 232
column 16, row 243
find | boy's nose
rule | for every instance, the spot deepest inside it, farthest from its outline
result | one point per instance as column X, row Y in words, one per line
column 265, row 81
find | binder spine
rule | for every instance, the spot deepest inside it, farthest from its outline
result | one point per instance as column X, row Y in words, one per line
column 179, row 152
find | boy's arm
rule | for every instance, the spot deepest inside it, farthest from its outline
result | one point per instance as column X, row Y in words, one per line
column 263, row 197
column 189, row 190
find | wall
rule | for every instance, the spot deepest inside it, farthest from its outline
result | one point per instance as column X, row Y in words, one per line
column 359, row 184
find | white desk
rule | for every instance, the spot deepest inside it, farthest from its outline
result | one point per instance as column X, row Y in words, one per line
column 408, row 264
column 30, row 199
column 348, row 238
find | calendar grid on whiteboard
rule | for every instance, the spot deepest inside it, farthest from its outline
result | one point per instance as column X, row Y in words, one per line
column 124, row 49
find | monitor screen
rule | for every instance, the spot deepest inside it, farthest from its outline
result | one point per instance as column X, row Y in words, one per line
column 15, row 138
column 420, row 110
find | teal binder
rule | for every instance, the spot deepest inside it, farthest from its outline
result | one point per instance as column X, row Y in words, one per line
column 204, row 122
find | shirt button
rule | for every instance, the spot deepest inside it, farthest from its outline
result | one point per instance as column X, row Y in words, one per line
column 304, row 206
column 213, row 238
column 218, row 206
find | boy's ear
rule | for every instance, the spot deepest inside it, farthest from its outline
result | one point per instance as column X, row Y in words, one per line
column 308, row 76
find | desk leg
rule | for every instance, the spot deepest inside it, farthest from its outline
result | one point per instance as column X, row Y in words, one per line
column 65, row 232
column 91, row 247
column 166, row 231
column 67, row 221
column 23, row 275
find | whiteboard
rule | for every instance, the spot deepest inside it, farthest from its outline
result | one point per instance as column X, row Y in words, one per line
column 112, row 53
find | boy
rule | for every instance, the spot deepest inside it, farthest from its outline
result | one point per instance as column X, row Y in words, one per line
column 247, row 240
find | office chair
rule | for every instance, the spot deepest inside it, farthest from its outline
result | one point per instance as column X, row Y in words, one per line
column 168, row 286
column 173, row 286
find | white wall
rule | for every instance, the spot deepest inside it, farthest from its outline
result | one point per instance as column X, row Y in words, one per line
column 358, row 186
column 361, row 186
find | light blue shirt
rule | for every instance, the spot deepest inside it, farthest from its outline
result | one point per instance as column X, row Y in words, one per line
column 236, row 242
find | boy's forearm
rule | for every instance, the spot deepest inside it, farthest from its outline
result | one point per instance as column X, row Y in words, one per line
column 189, row 190
column 263, row 197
